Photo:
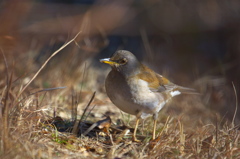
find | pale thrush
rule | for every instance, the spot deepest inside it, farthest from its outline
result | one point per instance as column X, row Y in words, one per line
column 136, row 89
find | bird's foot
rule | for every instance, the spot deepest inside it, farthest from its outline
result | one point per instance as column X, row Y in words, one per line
column 134, row 139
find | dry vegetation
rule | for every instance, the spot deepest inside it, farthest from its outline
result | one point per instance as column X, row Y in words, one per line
column 39, row 123
column 49, row 108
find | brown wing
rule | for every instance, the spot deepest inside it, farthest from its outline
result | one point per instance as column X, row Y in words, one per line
column 166, row 84
column 158, row 83
column 171, row 86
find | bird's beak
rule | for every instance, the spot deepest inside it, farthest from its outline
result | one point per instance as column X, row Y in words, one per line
column 108, row 61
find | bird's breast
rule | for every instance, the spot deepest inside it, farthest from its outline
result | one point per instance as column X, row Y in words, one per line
column 143, row 95
column 132, row 96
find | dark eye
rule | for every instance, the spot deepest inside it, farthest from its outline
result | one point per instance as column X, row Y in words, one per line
column 123, row 61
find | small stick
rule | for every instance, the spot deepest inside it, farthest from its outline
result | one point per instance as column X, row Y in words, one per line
column 234, row 116
column 77, row 124
column 45, row 63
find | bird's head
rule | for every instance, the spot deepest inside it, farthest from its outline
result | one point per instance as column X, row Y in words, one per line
column 124, row 62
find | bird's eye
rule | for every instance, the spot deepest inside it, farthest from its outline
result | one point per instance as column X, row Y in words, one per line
column 123, row 61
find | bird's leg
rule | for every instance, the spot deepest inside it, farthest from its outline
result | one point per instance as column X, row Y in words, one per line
column 155, row 116
column 154, row 129
column 135, row 131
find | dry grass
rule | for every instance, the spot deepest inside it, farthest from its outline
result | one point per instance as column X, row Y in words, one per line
column 38, row 124
column 41, row 118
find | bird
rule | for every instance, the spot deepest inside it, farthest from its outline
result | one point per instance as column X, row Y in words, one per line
column 137, row 90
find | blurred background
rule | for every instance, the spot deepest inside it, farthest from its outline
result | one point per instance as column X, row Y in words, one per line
column 193, row 43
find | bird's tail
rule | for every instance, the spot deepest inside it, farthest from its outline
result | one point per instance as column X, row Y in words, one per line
column 185, row 90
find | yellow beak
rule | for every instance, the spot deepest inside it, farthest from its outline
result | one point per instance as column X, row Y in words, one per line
column 108, row 61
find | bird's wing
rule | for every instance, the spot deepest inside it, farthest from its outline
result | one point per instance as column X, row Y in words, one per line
column 158, row 83
column 173, row 87
column 165, row 84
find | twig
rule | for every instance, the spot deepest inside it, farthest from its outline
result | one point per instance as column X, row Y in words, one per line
column 44, row 64
column 234, row 116
column 83, row 76
column 89, row 112
column 43, row 90
column 76, row 107
column 165, row 125
column 85, row 110
column 216, row 133
column 98, row 123
column 5, row 110
column 77, row 124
